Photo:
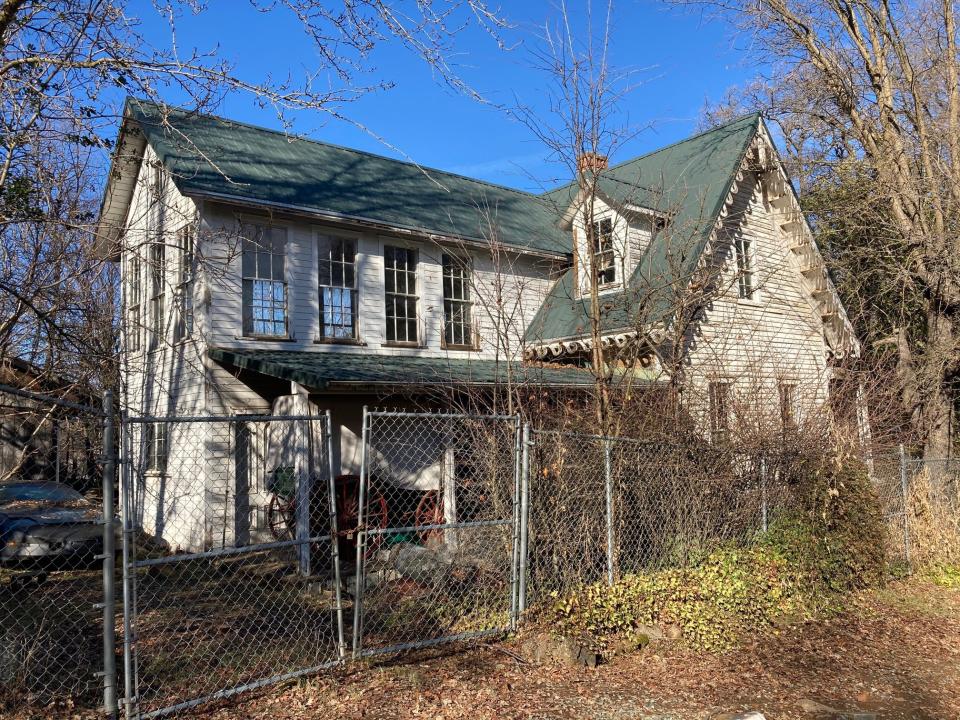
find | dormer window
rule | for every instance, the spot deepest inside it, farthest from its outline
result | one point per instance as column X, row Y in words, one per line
column 604, row 261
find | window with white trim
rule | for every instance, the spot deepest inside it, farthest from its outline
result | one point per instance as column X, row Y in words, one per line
column 605, row 266
column 134, row 304
column 185, row 276
column 156, row 437
column 264, row 281
column 337, row 281
column 720, row 412
column 400, row 294
column 158, row 267
column 157, row 211
column 457, row 303
column 743, row 249
column 788, row 421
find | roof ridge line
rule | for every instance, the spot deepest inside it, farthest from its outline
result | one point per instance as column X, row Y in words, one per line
column 740, row 118
column 356, row 151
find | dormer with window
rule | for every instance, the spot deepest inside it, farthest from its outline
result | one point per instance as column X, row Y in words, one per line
column 602, row 252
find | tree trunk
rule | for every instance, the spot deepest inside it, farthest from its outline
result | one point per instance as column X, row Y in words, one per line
column 937, row 408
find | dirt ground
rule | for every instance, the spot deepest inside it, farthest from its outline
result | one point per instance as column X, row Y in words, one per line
column 893, row 653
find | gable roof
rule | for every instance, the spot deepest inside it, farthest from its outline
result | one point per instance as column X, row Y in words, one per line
column 689, row 182
column 213, row 157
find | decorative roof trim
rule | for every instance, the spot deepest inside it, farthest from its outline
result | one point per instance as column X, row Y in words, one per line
column 577, row 346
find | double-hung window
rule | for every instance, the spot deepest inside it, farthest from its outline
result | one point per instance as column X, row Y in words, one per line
column 338, row 288
column 457, row 303
column 400, row 294
column 155, row 442
column 264, row 281
column 134, row 304
column 185, row 275
column 158, row 268
column 720, row 412
column 604, row 262
column 743, row 249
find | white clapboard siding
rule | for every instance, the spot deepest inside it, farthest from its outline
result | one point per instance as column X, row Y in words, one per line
column 521, row 282
column 757, row 344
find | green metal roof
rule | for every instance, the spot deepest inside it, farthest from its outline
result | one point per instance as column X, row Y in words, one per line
column 689, row 181
column 322, row 369
column 211, row 156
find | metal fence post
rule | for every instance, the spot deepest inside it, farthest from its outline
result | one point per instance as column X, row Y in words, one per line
column 608, row 482
column 109, row 595
column 905, row 492
column 524, row 519
column 764, row 522
column 335, row 538
column 303, row 493
column 126, row 525
column 515, row 559
column 361, row 535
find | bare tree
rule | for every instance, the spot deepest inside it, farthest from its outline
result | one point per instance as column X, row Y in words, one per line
column 584, row 127
column 64, row 69
column 868, row 94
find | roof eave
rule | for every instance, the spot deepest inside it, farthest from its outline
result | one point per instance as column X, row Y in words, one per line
column 357, row 220
column 118, row 193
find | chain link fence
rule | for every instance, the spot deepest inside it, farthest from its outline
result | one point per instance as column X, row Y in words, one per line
column 231, row 568
column 600, row 508
column 436, row 559
column 246, row 561
column 51, row 553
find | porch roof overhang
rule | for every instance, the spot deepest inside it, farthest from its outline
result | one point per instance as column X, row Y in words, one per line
column 327, row 371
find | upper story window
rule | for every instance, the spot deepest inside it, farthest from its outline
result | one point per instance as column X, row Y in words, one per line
column 457, row 303
column 720, row 412
column 157, row 209
column 744, row 251
column 264, row 281
column 603, row 255
column 338, row 288
column 400, row 294
column 158, row 268
column 185, row 277
column 134, row 304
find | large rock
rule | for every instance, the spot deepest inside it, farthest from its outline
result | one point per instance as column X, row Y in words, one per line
column 545, row 648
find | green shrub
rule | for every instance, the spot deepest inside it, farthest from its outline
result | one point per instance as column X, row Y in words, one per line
column 830, row 543
column 836, row 535
column 947, row 576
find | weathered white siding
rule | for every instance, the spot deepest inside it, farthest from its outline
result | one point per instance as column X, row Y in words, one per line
column 163, row 378
column 757, row 344
column 507, row 289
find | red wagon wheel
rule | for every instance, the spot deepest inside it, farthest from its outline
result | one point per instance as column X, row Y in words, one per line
column 429, row 512
column 348, row 505
column 282, row 516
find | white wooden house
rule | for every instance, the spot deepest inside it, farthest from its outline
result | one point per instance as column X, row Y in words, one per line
column 266, row 274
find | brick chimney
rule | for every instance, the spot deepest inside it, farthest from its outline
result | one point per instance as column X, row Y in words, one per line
column 591, row 162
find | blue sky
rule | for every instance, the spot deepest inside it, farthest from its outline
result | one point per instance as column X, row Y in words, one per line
column 680, row 60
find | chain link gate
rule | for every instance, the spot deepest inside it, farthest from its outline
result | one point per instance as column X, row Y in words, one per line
column 231, row 570
column 438, row 530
